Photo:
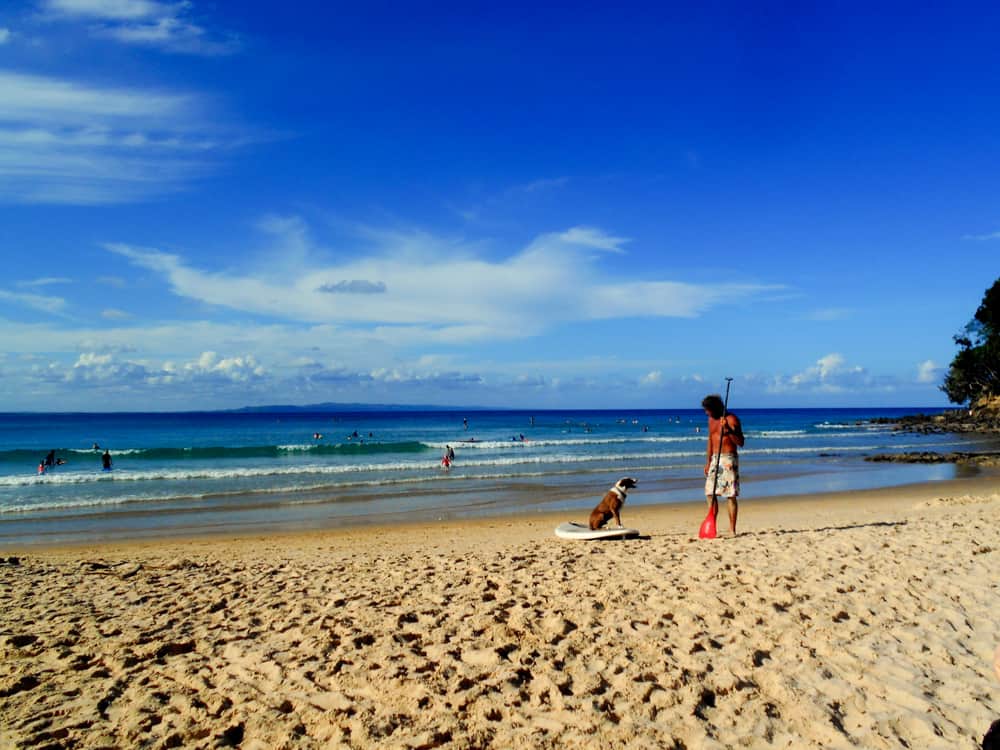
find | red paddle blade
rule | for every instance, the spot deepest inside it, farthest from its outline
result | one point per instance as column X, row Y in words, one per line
column 707, row 530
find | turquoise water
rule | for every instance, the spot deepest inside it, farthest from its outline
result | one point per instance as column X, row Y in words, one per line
column 231, row 471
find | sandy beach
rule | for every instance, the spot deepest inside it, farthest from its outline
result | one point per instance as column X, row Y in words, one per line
column 863, row 619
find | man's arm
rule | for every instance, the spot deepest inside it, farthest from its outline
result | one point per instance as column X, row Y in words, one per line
column 708, row 448
column 735, row 429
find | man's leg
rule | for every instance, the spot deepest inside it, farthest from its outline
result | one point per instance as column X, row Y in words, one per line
column 734, row 509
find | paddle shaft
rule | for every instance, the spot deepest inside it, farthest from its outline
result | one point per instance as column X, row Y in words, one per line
column 722, row 426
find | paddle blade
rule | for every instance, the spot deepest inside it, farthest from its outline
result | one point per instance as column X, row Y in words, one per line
column 707, row 530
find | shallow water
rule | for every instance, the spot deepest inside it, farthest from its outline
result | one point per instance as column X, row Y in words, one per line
column 237, row 472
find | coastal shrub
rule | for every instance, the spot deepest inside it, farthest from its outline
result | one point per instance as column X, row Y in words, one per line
column 974, row 373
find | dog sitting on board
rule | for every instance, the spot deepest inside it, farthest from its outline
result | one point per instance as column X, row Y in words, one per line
column 611, row 504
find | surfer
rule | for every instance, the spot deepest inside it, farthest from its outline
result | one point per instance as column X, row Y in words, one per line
column 450, row 452
column 445, row 461
column 50, row 459
column 106, row 460
column 41, row 467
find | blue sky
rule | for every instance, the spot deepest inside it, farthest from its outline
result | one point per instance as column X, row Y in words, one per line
column 207, row 205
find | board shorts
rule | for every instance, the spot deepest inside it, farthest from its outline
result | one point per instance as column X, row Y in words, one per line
column 729, row 476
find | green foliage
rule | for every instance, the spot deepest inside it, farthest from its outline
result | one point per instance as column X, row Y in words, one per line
column 975, row 370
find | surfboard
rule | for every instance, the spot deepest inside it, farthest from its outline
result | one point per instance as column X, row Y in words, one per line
column 573, row 530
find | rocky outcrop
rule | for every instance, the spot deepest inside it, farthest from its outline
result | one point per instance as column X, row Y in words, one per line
column 982, row 417
column 991, row 458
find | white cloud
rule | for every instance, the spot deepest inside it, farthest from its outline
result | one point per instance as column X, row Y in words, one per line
column 396, row 376
column 241, row 368
column 591, row 237
column 43, row 99
column 117, row 10
column 440, row 288
column 164, row 26
column 106, row 368
column 52, row 305
column 4, row 35
column 830, row 374
column 94, row 368
column 112, row 313
column 653, row 378
column 67, row 141
column 929, row 372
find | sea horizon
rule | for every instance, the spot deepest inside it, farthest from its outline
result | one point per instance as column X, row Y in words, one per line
column 334, row 407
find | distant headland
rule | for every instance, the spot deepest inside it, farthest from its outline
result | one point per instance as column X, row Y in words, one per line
column 332, row 406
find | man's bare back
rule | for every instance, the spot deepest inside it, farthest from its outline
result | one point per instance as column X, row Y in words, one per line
column 732, row 434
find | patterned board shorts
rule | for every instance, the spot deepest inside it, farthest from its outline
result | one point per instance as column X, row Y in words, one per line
column 729, row 476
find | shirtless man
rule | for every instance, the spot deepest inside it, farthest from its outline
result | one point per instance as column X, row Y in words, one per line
column 730, row 431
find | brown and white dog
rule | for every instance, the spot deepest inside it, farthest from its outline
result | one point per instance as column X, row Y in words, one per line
column 611, row 505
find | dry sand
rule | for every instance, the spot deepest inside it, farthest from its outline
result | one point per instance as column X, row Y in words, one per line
column 859, row 620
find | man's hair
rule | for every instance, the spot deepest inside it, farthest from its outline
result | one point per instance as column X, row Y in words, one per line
column 713, row 403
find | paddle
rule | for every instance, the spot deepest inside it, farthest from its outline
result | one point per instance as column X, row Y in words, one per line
column 708, row 530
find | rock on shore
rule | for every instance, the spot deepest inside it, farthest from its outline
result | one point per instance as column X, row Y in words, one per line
column 983, row 417
column 991, row 458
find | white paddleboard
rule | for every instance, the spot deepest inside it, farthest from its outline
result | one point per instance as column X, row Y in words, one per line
column 573, row 530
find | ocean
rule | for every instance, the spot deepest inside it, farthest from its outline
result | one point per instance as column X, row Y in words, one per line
column 205, row 472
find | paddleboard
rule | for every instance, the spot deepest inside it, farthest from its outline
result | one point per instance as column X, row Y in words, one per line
column 573, row 530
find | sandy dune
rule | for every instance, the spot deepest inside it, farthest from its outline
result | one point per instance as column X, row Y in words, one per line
column 840, row 623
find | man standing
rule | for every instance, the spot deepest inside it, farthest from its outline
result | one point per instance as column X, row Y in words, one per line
column 725, row 433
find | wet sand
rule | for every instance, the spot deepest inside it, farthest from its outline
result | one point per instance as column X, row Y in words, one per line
column 864, row 619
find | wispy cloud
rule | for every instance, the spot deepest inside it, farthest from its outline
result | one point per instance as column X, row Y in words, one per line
column 982, row 237
column 42, row 303
column 46, row 281
column 442, row 288
column 830, row 314
column 66, row 141
column 4, row 35
column 535, row 186
column 65, row 103
column 164, row 26
column 592, row 237
column 527, row 191
column 117, row 10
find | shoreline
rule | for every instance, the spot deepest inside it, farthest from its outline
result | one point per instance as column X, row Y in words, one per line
column 224, row 492
column 863, row 618
column 650, row 518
